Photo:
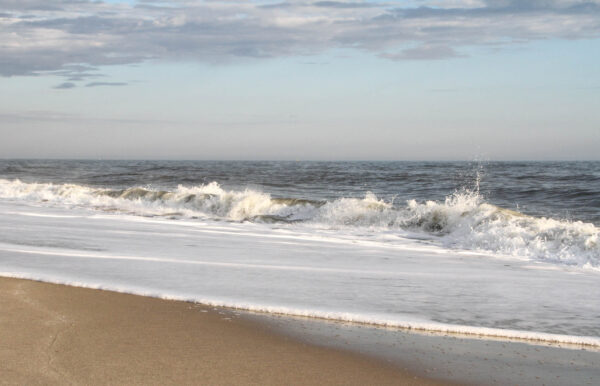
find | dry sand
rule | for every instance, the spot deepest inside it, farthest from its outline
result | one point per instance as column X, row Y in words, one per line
column 54, row 334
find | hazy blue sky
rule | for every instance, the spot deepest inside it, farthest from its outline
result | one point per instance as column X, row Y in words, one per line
column 183, row 79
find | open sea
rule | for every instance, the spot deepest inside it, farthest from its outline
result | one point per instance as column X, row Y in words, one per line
column 503, row 249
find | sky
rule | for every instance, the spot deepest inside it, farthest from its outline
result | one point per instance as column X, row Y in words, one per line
column 300, row 80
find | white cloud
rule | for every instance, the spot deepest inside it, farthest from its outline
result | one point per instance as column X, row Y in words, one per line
column 59, row 36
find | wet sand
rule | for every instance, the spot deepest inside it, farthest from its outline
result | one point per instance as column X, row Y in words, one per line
column 55, row 334
column 454, row 358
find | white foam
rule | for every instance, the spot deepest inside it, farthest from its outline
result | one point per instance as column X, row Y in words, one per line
column 464, row 220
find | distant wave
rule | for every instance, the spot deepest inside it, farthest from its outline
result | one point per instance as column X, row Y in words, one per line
column 462, row 220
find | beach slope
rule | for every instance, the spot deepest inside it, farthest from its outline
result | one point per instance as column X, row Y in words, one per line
column 55, row 334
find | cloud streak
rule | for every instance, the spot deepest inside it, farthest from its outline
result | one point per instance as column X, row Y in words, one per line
column 72, row 38
column 100, row 84
column 65, row 86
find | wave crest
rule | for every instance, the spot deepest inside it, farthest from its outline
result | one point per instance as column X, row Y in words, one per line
column 465, row 220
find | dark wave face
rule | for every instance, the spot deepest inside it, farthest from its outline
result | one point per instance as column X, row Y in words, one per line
column 560, row 190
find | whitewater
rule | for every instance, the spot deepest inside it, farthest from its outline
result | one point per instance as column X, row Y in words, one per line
column 455, row 264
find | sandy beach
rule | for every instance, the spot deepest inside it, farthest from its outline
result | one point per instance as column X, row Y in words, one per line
column 284, row 192
column 55, row 334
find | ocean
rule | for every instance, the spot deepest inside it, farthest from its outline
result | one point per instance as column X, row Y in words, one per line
column 503, row 249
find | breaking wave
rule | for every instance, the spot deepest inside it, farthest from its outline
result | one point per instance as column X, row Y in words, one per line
column 462, row 220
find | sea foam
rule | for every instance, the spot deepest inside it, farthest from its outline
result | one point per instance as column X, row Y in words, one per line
column 463, row 220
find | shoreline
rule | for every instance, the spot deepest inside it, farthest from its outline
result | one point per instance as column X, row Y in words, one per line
column 53, row 333
column 534, row 338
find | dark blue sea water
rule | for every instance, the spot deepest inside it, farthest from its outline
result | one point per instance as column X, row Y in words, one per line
column 560, row 190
